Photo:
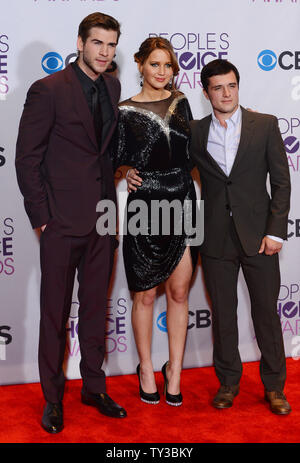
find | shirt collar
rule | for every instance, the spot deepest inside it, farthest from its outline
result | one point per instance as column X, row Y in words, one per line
column 86, row 81
column 235, row 118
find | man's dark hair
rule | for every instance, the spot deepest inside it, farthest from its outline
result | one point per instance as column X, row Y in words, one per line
column 98, row 20
column 217, row 67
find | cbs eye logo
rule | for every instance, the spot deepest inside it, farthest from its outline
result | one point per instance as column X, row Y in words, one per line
column 161, row 322
column 52, row 62
column 286, row 60
column 267, row 60
column 2, row 158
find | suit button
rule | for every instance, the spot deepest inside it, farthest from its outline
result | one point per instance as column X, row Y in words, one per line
column 98, row 179
column 227, row 206
column 229, row 182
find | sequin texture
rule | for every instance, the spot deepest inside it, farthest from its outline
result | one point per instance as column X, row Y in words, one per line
column 154, row 137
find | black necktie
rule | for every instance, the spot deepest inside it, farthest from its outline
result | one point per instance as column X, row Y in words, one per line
column 98, row 124
column 97, row 115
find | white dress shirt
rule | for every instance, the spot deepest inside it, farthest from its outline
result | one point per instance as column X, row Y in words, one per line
column 223, row 143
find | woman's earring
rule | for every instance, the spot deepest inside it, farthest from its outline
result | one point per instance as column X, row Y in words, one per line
column 142, row 80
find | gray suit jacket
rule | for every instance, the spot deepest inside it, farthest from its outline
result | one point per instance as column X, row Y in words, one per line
column 244, row 192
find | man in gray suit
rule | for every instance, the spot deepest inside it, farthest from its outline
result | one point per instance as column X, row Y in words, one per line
column 235, row 150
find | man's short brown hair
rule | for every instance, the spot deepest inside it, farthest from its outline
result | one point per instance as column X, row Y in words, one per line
column 98, row 20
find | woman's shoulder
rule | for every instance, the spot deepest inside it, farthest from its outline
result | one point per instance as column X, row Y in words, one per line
column 126, row 102
column 179, row 97
column 178, row 94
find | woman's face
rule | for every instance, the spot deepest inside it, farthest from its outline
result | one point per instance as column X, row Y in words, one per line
column 157, row 69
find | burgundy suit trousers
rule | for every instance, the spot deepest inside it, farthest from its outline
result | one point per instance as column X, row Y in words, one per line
column 61, row 256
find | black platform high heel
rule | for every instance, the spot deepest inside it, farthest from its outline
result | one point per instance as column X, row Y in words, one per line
column 172, row 399
column 149, row 398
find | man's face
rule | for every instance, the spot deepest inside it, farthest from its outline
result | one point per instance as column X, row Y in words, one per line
column 223, row 94
column 97, row 52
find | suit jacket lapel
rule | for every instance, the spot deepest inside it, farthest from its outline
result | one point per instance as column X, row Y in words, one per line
column 246, row 134
column 205, row 127
column 110, row 91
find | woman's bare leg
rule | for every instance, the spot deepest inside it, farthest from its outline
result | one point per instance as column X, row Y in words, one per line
column 177, row 291
column 142, row 321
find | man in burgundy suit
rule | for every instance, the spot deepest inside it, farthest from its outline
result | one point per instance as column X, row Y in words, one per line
column 63, row 170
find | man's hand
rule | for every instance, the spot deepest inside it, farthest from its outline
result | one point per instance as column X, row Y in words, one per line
column 269, row 246
column 133, row 179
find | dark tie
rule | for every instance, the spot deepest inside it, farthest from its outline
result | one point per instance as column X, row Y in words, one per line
column 97, row 115
column 98, row 124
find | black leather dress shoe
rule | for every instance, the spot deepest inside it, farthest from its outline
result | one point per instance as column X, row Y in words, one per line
column 104, row 404
column 52, row 420
column 225, row 396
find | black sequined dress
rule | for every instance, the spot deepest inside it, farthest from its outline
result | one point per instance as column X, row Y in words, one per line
column 153, row 137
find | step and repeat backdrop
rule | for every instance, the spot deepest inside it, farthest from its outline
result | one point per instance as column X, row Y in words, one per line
column 37, row 38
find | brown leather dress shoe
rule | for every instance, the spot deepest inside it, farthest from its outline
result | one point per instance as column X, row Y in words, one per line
column 278, row 402
column 225, row 395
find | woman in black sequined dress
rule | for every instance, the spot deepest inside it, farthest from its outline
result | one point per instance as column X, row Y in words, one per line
column 153, row 138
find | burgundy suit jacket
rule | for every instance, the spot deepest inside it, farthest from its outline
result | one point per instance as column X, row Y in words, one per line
column 58, row 163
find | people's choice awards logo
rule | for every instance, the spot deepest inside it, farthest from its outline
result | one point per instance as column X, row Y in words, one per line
column 194, row 50
column 291, row 144
column 116, row 326
column 5, row 339
column 6, row 248
column 290, row 131
column 4, row 48
column 289, row 309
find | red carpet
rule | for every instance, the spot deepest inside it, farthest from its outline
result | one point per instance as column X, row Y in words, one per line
column 196, row 421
